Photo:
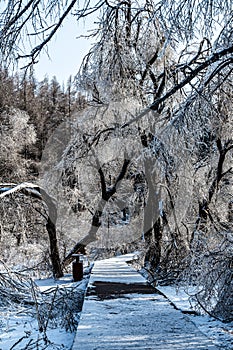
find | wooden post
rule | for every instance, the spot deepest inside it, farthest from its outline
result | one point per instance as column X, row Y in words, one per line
column 77, row 268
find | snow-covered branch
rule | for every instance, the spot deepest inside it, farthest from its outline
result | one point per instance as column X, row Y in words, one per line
column 37, row 192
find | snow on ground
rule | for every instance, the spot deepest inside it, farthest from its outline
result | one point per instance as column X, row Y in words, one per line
column 19, row 330
column 135, row 320
column 180, row 297
column 19, row 325
column 221, row 333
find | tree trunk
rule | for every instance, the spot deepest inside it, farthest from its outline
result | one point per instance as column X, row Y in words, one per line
column 224, row 307
column 152, row 222
column 37, row 192
column 54, row 253
column 51, row 229
column 90, row 237
column 96, row 219
column 153, row 254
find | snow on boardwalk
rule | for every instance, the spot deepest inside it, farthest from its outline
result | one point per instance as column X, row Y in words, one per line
column 121, row 313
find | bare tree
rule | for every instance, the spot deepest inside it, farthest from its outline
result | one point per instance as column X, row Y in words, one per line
column 96, row 219
column 16, row 134
column 89, row 171
column 38, row 193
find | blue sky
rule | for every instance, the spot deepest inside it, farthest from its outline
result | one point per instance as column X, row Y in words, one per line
column 66, row 51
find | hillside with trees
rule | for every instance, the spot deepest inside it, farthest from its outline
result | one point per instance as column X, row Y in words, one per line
column 135, row 154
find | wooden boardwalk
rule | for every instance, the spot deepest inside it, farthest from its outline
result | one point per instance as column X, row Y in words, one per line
column 121, row 312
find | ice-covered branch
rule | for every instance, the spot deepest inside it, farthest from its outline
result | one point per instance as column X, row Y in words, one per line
column 37, row 192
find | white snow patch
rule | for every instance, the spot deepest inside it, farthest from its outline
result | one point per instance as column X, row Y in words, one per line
column 19, row 327
column 221, row 333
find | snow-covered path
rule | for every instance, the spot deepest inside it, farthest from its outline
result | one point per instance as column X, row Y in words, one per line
column 143, row 320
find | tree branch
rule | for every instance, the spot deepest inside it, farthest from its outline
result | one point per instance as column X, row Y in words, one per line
column 96, row 219
column 193, row 74
column 35, row 191
column 35, row 52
